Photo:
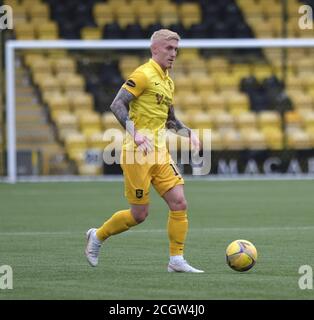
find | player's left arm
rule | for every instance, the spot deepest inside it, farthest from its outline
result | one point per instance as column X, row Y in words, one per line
column 174, row 124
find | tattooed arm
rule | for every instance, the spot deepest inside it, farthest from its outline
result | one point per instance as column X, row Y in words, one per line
column 181, row 129
column 120, row 108
column 176, row 125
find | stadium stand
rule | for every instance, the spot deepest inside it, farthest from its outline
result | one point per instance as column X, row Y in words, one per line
column 64, row 97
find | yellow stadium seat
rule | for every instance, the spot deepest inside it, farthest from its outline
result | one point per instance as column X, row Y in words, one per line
column 103, row 13
column 81, row 101
column 47, row 30
column 253, row 139
column 117, row 4
column 204, row 84
column 223, row 120
column 301, row 100
column 218, row 64
column 231, row 139
column 24, row 31
column 246, row 120
column 73, row 83
column 168, row 14
column 298, row 139
column 19, row 14
column 214, row 102
column 96, row 141
column 308, row 120
column 64, row 65
column 182, row 83
column 308, row 83
column 66, row 123
column 109, row 121
column 146, row 15
column 89, row 169
column 293, row 83
column 201, row 120
column 292, row 119
column 310, row 132
column 91, row 33
column 227, row 82
column 41, row 66
column 237, row 100
column 76, row 145
column 190, row 13
column 59, row 102
column 269, row 119
column 39, row 11
column 49, row 83
column 125, row 16
column 273, row 137
column 191, row 101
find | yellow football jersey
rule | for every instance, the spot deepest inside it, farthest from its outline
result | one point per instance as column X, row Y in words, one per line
column 153, row 90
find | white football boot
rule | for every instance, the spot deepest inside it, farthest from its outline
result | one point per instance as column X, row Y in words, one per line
column 93, row 247
column 181, row 265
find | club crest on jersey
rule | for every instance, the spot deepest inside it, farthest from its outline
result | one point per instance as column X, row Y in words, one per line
column 131, row 83
column 139, row 193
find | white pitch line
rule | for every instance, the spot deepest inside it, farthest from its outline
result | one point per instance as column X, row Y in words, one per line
column 216, row 229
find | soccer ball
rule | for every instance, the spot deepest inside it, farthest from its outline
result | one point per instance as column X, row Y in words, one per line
column 241, row 255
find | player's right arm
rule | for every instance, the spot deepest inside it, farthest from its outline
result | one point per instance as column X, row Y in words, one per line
column 120, row 108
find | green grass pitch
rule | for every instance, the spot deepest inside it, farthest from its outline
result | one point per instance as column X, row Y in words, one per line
column 42, row 236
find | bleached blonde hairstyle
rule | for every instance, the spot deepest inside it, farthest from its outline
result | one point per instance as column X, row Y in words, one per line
column 164, row 34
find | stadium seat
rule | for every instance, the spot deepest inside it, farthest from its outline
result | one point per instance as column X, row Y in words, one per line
column 189, row 13
column 76, row 145
column 269, row 119
column 298, row 139
column 81, row 101
column 214, row 102
column 73, row 84
column 103, row 13
column 24, row 31
column 109, row 121
column 273, row 137
column 58, row 102
column 246, row 120
column 168, row 14
column 91, row 33
column 90, row 124
column 39, row 11
column 223, row 120
column 64, row 65
column 237, row 100
column 253, row 139
column 231, row 139
column 201, row 120
column 47, row 30
column 125, row 16
column 146, row 15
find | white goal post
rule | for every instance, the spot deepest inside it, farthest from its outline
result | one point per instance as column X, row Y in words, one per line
column 12, row 45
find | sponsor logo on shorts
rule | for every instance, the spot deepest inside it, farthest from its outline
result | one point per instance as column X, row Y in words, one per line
column 131, row 83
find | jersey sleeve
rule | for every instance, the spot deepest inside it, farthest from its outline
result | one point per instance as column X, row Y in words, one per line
column 136, row 83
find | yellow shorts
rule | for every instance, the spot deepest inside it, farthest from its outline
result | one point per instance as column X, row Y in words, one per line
column 139, row 175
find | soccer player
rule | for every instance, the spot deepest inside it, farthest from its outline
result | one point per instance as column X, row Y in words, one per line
column 145, row 102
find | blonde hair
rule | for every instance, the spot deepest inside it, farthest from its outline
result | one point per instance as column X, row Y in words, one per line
column 164, row 34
